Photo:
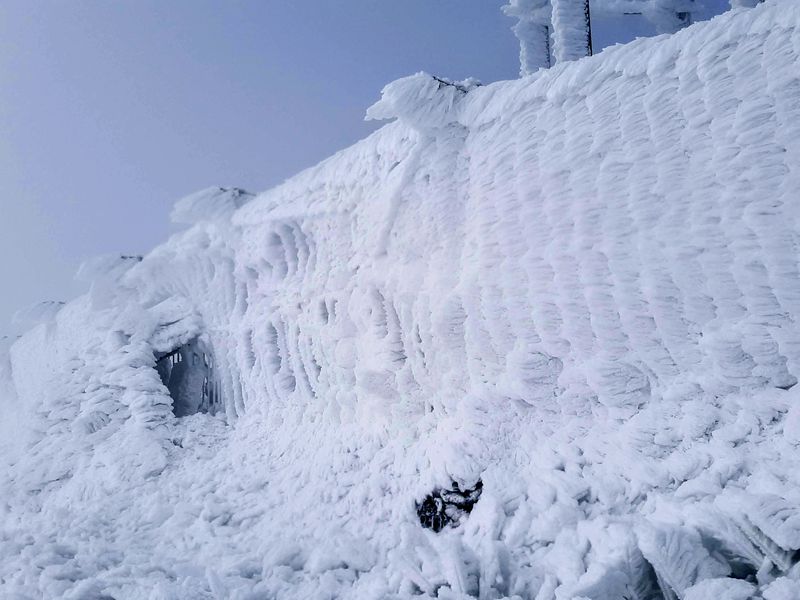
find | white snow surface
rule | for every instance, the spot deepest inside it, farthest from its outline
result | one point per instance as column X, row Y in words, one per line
column 581, row 288
column 209, row 204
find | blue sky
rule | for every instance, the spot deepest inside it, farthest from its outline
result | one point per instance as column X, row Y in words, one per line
column 110, row 111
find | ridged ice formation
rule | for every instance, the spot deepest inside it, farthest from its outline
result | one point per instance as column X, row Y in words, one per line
column 580, row 288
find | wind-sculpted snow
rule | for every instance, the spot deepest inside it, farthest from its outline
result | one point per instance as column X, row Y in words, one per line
column 579, row 289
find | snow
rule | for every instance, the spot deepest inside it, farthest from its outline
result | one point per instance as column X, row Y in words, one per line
column 668, row 16
column 421, row 101
column 579, row 288
column 209, row 204
column 37, row 313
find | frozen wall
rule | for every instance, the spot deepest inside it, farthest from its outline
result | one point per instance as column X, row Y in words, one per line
column 580, row 289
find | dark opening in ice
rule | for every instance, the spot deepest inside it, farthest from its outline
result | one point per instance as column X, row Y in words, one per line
column 188, row 373
column 443, row 507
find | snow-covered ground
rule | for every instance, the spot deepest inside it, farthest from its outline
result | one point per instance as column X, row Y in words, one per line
column 580, row 289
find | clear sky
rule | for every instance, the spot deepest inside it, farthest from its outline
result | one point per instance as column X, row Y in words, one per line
column 110, row 111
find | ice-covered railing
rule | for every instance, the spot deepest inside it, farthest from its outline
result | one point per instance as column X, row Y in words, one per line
column 554, row 31
column 577, row 293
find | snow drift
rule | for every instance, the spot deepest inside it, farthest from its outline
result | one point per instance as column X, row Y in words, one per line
column 576, row 293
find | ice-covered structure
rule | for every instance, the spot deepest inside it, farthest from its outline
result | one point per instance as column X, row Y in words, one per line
column 577, row 293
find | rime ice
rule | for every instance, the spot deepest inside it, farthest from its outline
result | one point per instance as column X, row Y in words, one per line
column 580, row 289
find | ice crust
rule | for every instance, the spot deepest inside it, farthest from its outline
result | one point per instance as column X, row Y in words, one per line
column 580, row 288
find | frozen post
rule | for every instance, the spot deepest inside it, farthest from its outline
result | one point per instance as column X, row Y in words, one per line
column 572, row 31
column 533, row 32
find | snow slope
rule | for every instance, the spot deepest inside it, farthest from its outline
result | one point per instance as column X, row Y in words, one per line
column 580, row 288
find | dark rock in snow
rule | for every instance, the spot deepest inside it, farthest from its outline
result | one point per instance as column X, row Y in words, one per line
column 443, row 507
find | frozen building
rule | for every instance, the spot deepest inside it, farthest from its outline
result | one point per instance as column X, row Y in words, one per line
column 533, row 339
